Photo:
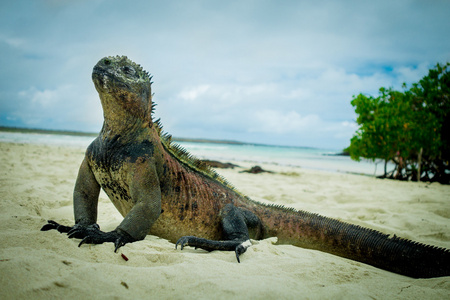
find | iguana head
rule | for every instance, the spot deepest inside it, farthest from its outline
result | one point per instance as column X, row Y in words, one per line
column 124, row 88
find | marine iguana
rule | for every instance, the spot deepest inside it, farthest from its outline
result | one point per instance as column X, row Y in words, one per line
column 159, row 188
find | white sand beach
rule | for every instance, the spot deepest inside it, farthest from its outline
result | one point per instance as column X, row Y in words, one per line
column 37, row 181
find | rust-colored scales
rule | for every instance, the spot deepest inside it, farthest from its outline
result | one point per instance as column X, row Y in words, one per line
column 190, row 201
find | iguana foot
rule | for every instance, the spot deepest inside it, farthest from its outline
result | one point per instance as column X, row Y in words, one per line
column 204, row 244
column 235, row 222
column 101, row 237
column 90, row 234
column 93, row 235
column 238, row 246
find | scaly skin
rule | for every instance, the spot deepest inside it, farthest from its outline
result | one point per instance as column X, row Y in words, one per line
column 160, row 189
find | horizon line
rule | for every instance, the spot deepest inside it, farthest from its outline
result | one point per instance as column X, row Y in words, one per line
column 176, row 139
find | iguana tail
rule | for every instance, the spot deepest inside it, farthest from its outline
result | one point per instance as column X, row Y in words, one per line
column 357, row 243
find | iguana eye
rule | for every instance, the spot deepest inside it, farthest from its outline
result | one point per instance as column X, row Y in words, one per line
column 128, row 70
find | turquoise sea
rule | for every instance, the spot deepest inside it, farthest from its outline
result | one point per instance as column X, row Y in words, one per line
column 308, row 158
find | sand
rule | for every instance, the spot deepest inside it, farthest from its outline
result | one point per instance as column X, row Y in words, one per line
column 37, row 183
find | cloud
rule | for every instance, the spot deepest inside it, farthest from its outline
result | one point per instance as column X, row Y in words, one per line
column 191, row 94
column 57, row 107
column 45, row 98
column 13, row 42
column 224, row 97
column 408, row 74
column 278, row 122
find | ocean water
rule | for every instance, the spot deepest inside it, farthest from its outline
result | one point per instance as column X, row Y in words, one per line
column 308, row 158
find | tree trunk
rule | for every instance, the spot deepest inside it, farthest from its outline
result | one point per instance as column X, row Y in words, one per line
column 419, row 162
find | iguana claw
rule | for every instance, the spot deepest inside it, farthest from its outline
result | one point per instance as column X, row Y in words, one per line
column 241, row 248
column 82, row 231
column 53, row 225
column 93, row 235
column 120, row 242
column 183, row 241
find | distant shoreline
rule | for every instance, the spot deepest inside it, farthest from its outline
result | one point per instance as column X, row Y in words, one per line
column 46, row 131
column 176, row 139
column 81, row 133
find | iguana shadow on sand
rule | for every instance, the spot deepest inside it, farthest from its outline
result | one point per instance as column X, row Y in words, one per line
column 161, row 189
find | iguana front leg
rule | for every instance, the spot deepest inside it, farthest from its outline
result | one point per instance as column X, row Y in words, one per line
column 236, row 236
column 145, row 194
column 85, row 201
column 146, row 197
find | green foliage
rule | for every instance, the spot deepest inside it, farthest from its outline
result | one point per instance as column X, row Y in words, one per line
column 410, row 128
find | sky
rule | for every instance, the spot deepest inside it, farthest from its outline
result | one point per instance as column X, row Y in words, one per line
column 270, row 72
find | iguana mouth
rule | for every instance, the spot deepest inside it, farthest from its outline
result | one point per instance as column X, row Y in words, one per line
column 100, row 77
